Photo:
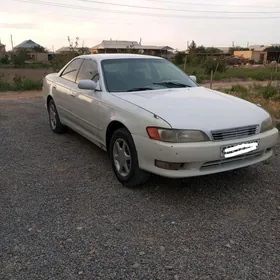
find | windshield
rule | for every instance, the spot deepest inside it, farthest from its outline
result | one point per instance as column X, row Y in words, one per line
column 139, row 74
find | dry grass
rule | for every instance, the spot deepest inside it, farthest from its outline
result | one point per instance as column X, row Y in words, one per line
column 267, row 96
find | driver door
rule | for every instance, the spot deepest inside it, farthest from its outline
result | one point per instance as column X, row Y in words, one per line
column 62, row 91
column 86, row 101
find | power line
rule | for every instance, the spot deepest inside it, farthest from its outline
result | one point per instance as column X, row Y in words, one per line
column 214, row 5
column 51, row 4
column 70, row 19
column 176, row 10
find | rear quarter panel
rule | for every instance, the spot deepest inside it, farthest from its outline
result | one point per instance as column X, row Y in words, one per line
column 48, row 82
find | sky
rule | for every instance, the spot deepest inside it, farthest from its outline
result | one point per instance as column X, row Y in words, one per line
column 158, row 22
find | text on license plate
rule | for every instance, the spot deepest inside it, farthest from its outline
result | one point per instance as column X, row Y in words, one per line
column 239, row 149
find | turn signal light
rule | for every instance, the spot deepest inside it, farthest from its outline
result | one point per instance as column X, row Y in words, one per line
column 153, row 133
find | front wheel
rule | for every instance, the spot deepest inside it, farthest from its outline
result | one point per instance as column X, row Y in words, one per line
column 124, row 159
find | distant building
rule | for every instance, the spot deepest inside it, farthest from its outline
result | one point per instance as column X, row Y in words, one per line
column 256, row 56
column 273, row 52
column 116, row 46
column 29, row 46
column 261, row 53
column 66, row 50
column 2, row 49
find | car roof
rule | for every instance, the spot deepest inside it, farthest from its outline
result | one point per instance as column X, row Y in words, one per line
column 103, row 56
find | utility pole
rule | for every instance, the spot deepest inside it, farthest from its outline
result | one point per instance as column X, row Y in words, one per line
column 12, row 54
column 12, row 43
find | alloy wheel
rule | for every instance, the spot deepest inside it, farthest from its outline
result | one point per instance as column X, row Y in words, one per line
column 122, row 157
column 52, row 113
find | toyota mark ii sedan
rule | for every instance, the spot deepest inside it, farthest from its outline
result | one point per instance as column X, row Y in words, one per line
column 151, row 117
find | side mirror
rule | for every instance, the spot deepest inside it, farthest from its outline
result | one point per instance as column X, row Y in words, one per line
column 193, row 78
column 87, row 84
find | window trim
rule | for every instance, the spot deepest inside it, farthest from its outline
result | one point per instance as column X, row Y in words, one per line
column 87, row 59
column 61, row 75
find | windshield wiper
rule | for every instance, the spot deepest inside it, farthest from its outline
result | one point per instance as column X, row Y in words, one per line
column 171, row 84
column 139, row 89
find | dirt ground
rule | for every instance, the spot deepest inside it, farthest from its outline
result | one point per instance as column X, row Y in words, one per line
column 20, row 94
column 7, row 74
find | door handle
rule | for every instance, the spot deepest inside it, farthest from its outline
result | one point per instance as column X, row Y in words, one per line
column 73, row 94
column 54, row 87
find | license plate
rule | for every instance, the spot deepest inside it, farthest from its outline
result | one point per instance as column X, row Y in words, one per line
column 239, row 149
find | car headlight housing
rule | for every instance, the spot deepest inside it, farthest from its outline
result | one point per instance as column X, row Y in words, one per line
column 176, row 135
column 267, row 125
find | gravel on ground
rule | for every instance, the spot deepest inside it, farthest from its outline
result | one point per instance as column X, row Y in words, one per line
column 65, row 216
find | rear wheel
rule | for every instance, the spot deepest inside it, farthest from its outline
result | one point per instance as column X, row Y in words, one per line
column 54, row 120
column 124, row 159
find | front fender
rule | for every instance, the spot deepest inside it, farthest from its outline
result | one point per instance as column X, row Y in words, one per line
column 134, row 118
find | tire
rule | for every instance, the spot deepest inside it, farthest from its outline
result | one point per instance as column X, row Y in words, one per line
column 135, row 176
column 54, row 120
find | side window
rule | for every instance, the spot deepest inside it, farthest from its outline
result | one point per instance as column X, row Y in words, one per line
column 70, row 72
column 88, row 71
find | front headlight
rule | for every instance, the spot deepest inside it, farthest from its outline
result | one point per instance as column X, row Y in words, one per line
column 267, row 125
column 176, row 135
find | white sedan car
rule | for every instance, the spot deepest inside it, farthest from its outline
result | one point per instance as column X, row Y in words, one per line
column 153, row 118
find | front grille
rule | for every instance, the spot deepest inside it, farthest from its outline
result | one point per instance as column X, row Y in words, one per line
column 216, row 163
column 234, row 133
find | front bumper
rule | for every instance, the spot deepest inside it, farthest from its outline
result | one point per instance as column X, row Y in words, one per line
column 201, row 158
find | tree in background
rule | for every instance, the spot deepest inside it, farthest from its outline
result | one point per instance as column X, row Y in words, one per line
column 192, row 48
column 213, row 50
column 192, row 45
column 237, row 48
column 39, row 49
column 75, row 47
column 19, row 57
column 179, row 58
column 4, row 59
column 207, row 50
column 215, row 64
column 192, row 58
column 74, row 50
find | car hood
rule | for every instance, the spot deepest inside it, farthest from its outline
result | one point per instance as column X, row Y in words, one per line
column 197, row 108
